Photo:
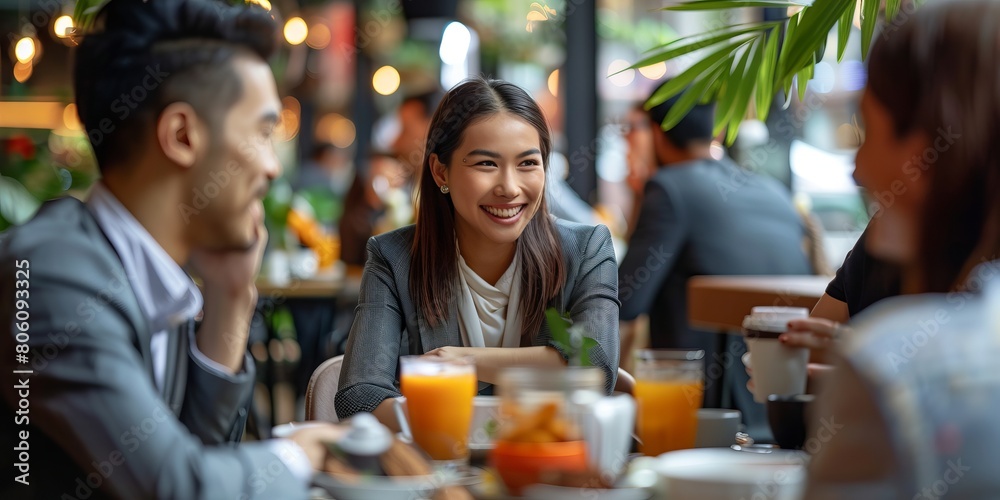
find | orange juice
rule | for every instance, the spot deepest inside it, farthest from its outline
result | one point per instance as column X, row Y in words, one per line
column 440, row 411
column 667, row 414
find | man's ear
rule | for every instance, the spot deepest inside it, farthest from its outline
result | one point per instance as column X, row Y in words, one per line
column 438, row 170
column 181, row 134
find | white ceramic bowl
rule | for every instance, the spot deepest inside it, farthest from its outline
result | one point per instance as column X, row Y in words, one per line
column 724, row 474
column 382, row 487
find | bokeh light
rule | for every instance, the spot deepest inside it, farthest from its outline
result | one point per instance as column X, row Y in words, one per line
column 336, row 129
column 70, row 118
column 62, row 24
column 386, row 80
column 654, row 71
column 623, row 79
column 24, row 51
column 22, row 71
column 319, row 37
column 296, row 31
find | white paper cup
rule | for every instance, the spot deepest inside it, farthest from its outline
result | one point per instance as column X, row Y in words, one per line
column 777, row 368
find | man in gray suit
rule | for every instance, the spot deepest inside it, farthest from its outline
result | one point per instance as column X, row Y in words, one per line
column 703, row 216
column 111, row 388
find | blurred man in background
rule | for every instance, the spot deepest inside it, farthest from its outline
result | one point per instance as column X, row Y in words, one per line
column 702, row 216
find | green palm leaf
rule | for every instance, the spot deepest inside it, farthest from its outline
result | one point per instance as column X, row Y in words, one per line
column 753, row 61
column 869, row 16
column 844, row 30
column 731, row 4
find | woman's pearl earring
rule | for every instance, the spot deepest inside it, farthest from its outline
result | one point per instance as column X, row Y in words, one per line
column 444, row 188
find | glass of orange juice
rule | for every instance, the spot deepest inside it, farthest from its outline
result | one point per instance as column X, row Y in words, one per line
column 669, row 384
column 439, row 396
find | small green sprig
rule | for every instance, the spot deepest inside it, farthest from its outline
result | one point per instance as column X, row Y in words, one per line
column 570, row 338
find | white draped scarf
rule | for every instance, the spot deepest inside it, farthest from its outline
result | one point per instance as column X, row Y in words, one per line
column 488, row 315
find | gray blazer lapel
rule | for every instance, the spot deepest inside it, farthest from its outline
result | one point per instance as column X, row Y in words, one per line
column 175, row 377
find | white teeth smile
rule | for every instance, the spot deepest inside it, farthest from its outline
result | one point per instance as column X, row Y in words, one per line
column 504, row 213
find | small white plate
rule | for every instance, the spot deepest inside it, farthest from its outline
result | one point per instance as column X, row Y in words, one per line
column 385, row 488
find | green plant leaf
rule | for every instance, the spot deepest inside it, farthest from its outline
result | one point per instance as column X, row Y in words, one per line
column 765, row 78
column 745, row 91
column 588, row 344
column 699, row 42
column 559, row 327
column 812, row 31
column 790, row 28
column 730, row 90
column 693, row 95
column 733, row 4
column 678, row 83
column 803, row 80
column 869, row 18
column 844, row 30
column 17, row 205
column 892, row 8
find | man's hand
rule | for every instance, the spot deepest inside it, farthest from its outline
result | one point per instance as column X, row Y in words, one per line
column 313, row 438
column 230, row 298
column 230, row 272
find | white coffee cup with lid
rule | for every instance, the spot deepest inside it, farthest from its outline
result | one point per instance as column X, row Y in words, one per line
column 777, row 368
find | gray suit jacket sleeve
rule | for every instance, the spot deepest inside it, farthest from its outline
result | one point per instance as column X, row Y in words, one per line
column 368, row 375
column 215, row 406
column 591, row 299
column 92, row 394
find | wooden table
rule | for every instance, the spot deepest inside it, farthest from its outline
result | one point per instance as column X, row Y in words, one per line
column 312, row 288
column 719, row 303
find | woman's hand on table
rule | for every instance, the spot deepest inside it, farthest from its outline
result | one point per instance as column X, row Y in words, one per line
column 451, row 353
column 490, row 360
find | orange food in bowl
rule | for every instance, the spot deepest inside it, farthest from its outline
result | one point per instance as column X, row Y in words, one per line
column 521, row 464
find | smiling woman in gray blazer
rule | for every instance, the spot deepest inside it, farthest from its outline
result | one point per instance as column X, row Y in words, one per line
column 474, row 275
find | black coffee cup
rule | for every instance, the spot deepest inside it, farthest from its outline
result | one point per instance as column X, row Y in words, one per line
column 787, row 418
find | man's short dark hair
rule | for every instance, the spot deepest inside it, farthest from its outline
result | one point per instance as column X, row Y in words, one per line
column 144, row 55
column 696, row 126
column 429, row 100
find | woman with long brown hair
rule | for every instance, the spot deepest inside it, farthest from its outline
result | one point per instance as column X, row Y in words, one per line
column 475, row 274
column 910, row 410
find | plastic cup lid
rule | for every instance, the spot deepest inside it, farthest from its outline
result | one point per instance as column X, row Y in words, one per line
column 773, row 319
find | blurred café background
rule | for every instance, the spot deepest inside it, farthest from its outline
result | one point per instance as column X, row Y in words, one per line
column 348, row 72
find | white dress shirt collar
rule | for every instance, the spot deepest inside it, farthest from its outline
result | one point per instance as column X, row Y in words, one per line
column 166, row 293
